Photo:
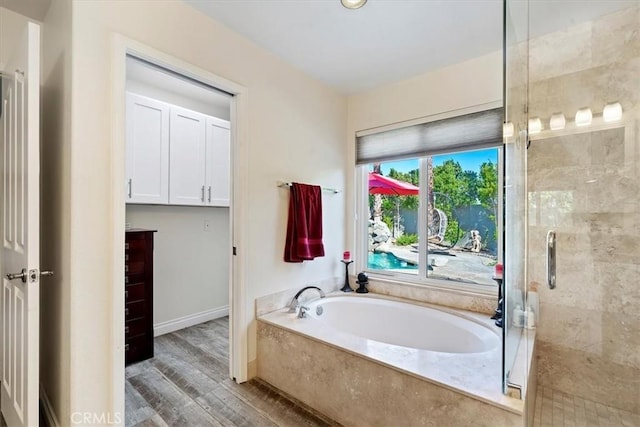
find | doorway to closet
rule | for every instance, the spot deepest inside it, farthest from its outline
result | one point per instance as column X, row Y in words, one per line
column 177, row 228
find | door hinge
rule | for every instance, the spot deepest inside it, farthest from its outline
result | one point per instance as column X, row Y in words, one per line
column 235, row 252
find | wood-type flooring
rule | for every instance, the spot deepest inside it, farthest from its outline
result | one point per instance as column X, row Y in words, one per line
column 187, row 384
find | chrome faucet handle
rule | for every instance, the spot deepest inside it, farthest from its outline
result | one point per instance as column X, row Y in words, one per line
column 302, row 312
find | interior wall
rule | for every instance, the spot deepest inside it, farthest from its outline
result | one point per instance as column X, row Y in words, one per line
column 56, row 225
column 296, row 132
column 470, row 83
column 583, row 183
column 191, row 264
column 11, row 26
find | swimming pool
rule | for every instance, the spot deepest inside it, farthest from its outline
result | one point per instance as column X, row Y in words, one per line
column 387, row 261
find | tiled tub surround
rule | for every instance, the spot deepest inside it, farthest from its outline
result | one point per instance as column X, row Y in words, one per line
column 358, row 381
column 584, row 183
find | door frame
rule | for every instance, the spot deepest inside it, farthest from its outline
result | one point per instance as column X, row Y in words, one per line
column 238, row 357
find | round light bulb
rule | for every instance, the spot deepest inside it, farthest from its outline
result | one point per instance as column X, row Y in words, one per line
column 353, row 4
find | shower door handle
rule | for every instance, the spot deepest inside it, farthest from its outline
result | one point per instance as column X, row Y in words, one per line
column 551, row 259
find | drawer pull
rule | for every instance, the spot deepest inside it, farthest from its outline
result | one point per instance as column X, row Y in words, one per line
column 126, row 330
column 126, row 294
column 126, row 257
column 126, row 279
column 126, row 268
column 126, row 347
column 126, row 311
column 126, row 246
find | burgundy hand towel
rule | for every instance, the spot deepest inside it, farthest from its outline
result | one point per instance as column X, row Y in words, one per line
column 304, row 227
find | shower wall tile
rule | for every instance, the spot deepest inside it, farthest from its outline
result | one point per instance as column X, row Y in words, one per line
column 586, row 187
column 622, row 288
column 571, row 327
column 561, row 52
column 616, row 37
column 594, row 378
column 622, row 339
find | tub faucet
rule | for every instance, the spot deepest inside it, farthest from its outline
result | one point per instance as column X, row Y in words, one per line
column 294, row 305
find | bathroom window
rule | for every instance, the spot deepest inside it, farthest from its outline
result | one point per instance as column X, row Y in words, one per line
column 432, row 217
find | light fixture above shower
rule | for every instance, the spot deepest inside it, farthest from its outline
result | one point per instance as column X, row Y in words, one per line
column 612, row 112
column 583, row 117
column 353, row 4
column 557, row 121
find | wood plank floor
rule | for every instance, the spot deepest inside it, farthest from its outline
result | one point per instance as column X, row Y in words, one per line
column 187, row 384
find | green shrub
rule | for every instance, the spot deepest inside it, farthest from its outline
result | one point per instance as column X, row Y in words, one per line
column 407, row 239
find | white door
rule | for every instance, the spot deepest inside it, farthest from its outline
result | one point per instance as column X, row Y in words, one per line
column 20, row 230
column 187, row 157
column 218, row 162
column 147, row 148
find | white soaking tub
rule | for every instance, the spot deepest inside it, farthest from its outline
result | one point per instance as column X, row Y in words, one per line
column 402, row 324
column 443, row 349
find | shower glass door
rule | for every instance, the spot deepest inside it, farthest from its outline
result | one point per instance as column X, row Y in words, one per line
column 516, row 51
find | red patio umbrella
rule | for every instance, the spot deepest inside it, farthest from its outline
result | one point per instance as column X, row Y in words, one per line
column 379, row 184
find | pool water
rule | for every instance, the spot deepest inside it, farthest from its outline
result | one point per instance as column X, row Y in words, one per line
column 385, row 261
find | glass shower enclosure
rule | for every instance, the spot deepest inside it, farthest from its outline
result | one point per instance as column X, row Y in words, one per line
column 572, row 93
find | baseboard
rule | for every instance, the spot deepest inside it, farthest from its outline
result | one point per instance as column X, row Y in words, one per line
column 190, row 320
column 47, row 409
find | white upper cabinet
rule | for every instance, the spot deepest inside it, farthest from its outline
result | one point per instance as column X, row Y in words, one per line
column 176, row 156
column 147, row 150
column 187, row 157
column 218, row 161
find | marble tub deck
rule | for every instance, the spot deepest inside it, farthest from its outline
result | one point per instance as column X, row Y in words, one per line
column 476, row 375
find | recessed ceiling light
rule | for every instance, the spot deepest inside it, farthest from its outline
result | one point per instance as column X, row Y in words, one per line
column 353, row 4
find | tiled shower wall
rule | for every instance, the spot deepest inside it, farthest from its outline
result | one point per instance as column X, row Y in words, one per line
column 584, row 183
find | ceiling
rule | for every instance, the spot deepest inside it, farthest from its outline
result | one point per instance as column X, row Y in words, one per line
column 386, row 40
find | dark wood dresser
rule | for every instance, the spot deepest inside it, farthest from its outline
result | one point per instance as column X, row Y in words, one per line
column 138, row 295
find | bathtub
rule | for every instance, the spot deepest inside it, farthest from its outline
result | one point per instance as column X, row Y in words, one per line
column 402, row 324
column 379, row 342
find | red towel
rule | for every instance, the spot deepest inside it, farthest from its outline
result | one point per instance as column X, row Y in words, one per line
column 304, row 227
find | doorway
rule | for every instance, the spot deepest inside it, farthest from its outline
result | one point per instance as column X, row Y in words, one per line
column 236, row 114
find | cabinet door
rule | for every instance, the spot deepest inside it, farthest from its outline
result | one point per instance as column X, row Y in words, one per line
column 147, row 150
column 187, row 157
column 218, row 162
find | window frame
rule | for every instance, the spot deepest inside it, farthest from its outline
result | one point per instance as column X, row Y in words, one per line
column 421, row 279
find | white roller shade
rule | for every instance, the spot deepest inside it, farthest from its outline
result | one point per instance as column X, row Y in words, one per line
column 467, row 132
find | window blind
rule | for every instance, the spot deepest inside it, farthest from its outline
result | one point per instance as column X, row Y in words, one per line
column 467, row 132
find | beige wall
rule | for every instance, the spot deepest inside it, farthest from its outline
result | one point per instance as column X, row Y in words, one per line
column 11, row 26
column 56, row 316
column 191, row 265
column 583, row 183
column 296, row 132
column 471, row 83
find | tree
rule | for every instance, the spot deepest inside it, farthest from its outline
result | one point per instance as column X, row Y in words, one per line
column 488, row 187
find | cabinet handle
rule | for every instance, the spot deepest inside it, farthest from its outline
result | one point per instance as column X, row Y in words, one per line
column 202, row 194
column 126, row 329
column 130, row 187
column 126, row 347
column 126, row 257
column 126, row 311
column 126, row 268
column 126, row 279
column 126, row 246
column 126, row 294
column 209, row 194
